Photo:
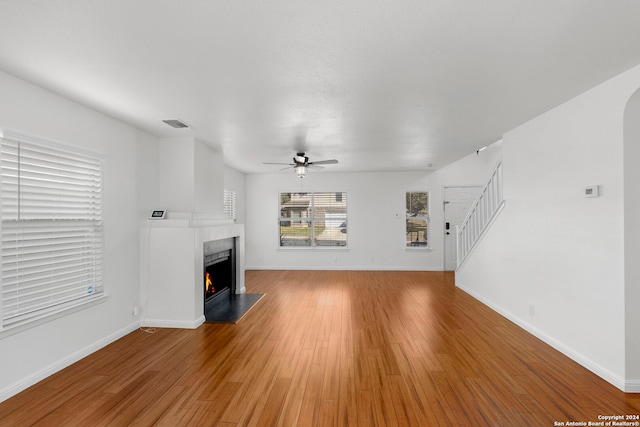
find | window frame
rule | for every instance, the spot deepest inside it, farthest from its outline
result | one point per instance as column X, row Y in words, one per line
column 311, row 219
column 85, row 216
column 425, row 217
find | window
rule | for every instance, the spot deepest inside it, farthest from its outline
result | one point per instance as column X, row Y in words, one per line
column 313, row 219
column 230, row 204
column 417, row 208
column 51, row 229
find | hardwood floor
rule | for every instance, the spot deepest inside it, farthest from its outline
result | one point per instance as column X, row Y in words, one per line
column 327, row 348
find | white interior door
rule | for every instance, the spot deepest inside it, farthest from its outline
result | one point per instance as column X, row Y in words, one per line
column 457, row 202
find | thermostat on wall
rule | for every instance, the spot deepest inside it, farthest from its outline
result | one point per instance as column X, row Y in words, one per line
column 158, row 214
column 591, row 191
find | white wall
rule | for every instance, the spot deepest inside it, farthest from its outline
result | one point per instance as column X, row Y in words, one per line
column 209, row 178
column 32, row 354
column 632, row 239
column 148, row 174
column 176, row 178
column 191, row 176
column 554, row 249
column 376, row 216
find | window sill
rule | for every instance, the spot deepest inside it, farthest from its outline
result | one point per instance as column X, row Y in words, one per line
column 417, row 248
column 313, row 248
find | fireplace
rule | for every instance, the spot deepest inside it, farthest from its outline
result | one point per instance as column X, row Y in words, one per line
column 219, row 272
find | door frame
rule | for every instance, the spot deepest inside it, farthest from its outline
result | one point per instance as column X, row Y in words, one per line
column 444, row 219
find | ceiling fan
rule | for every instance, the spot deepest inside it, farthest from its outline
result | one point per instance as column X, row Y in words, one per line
column 301, row 163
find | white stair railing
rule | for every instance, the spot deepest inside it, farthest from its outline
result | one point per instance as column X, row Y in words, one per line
column 483, row 211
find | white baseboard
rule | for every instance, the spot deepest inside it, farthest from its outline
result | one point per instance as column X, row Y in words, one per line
column 179, row 324
column 589, row 364
column 343, row 268
column 36, row 377
column 632, row 386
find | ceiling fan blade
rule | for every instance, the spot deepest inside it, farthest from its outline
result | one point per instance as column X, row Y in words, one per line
column 314, row 166
column 271, row 163
column 288, row 167
column 324, row 162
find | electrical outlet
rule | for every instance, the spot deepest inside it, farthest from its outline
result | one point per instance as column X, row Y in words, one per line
column 532, row 310
column 135, row 310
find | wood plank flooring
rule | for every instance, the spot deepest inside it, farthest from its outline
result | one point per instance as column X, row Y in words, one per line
column 329, row 348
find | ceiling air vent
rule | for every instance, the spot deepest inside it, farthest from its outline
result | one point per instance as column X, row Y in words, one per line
column 176, row 123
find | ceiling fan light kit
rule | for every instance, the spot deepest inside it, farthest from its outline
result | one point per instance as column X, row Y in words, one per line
column 301, row 171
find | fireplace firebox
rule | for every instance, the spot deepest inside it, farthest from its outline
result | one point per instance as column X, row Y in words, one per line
column 219, row 272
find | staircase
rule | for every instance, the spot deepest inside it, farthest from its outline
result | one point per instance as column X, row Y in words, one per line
column 482, row 213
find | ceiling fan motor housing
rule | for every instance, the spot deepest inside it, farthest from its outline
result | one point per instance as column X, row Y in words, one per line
column 300, row 158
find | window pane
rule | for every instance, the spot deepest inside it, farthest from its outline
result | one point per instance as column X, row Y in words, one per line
column 330, row 218
column 295, row 232
column 295, row 206
column 332, row 234
column 295, row 223
column 417, row 208
column 416, row 232
column 329, row 202
column 417, row 203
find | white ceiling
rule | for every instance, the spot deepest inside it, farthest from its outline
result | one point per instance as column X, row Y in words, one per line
column 376, row 84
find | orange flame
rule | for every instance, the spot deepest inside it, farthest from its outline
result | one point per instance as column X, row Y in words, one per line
column 209, row 284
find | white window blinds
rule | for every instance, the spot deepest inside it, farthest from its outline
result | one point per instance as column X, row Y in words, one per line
column 51, row 229
column 230, row 204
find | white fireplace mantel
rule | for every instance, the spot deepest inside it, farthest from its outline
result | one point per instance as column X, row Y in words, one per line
column 172, row 272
